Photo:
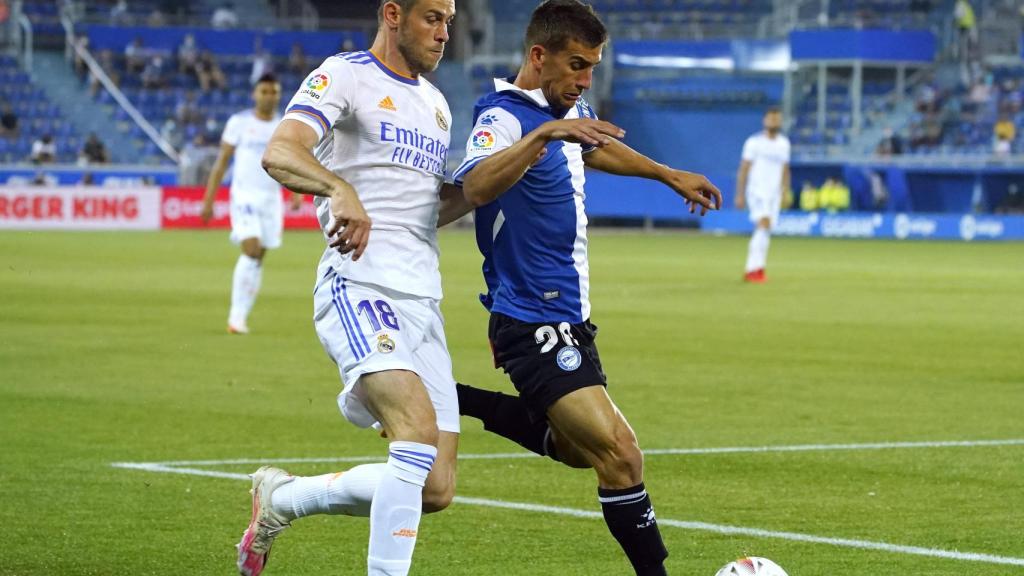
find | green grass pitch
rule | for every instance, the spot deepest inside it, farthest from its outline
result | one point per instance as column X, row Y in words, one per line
column 113, row 349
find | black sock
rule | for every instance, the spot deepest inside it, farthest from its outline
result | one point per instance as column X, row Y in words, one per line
column 630, row 518
column 506, row 416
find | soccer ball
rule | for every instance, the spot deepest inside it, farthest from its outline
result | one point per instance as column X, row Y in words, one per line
column 752, row 566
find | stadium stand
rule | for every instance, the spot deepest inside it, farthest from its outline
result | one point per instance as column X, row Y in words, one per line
column 36, row 116
column 940, row 113
column 962, row 119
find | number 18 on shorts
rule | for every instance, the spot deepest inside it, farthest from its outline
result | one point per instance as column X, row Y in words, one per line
column 366, row 328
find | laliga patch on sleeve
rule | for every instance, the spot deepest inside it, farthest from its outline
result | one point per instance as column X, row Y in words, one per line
column 483, row 139
column 316, row 85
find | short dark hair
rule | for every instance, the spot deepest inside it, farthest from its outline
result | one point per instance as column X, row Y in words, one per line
column 773, row 110
column 268, row 77
column 405, row 5
column 557, row 22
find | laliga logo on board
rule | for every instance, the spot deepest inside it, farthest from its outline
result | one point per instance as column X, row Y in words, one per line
column 971, row 228
column 483, row 139
column 904, row 226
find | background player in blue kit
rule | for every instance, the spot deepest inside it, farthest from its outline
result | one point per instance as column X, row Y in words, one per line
column 524, row 170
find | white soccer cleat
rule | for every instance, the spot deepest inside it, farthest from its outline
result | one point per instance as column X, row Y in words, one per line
column 238, row 328
column 265, row 525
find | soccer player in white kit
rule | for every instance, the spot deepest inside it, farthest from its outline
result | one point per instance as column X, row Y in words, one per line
column 379, row 134
column 762, row 180
column 257, row 216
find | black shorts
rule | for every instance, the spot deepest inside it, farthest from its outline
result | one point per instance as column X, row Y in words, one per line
column 545, row 361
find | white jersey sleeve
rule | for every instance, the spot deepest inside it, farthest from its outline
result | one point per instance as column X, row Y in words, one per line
column 232, row 131
column 496, row 129
column 749, row 152
column 325, row 97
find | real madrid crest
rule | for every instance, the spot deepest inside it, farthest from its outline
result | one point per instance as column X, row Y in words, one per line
column 439, row 116
column 385, row 345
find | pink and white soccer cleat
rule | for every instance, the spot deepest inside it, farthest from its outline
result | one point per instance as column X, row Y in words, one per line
column 265, row 525
column 240, row 328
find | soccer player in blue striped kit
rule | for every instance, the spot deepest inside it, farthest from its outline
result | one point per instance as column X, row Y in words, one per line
column 524, row 170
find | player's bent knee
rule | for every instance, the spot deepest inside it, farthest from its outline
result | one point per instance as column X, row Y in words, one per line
column 414, row 430
column 254, row 253
column 622, row 463
column 633, row 460
column 436, row 499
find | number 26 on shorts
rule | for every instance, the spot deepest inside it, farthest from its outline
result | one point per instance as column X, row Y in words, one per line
column 548, row 336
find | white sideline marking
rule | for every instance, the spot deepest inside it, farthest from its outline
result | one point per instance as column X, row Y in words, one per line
column 162, row 468
column 759, row 533
column 328, row 460
column 654, row 452
column 837, row 447
column 183, row 467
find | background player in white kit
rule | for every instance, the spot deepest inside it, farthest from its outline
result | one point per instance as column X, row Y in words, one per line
column 762, row 180
column 381, row 136
column 257, row 216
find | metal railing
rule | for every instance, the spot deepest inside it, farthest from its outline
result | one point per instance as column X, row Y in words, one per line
column 26, row 41
column 115, row 92
column 949, row 159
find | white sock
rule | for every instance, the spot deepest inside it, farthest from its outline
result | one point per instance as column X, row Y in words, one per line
column 244, row 287
column 757, row 251
column 349, row 493
column 395, row 513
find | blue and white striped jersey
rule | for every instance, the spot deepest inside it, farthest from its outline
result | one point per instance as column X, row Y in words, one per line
column 534, row 236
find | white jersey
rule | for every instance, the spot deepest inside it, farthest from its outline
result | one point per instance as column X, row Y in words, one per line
column 767, row 157
column 387, row 135
column 250, row 183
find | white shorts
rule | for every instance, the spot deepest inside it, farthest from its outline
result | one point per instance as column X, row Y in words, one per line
column 366, row 328
column 263, row 220
column 764, row 206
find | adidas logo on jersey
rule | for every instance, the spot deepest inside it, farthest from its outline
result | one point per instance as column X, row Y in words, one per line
column 387, row 104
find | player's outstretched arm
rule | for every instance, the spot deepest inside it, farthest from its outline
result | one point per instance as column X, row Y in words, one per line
column 741, row 184
column 786, row 179
column 618, row 158
column 453, row 205
column 289, row 160
column 493, row 176
column 220, row 166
